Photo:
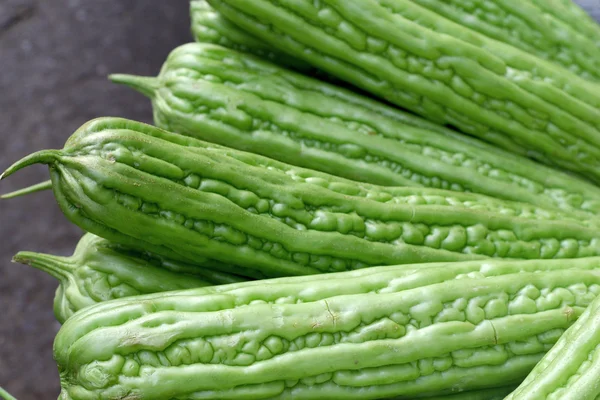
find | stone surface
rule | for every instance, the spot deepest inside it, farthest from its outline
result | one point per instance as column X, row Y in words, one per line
column 55, row 58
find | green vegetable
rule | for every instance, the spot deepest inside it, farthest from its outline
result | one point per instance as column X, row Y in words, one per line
column 237, row 100
column 531, row 27
column 100, row 270
column 183, row 198
column 484, row 394
column 571, row 369
column 434, row 67
column 571, row 14
column 380, row 332
column 208, row 26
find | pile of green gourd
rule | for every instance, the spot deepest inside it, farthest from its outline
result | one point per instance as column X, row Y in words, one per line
column 361, row 199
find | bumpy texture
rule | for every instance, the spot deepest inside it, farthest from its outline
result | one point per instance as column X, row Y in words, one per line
column 571, row 370
column 404, row 331
column 430, row 65
column 183, row 198
column 237, row 100
column 208, row 26
column 532, row 28
column 100, row 270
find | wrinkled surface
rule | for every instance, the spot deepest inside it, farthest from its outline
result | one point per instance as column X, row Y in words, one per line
column 239, row 101
column 570, row 370
column 434, row 67
column 374, row 333
column 538, row 27
column 100, row 270
column 267, row 219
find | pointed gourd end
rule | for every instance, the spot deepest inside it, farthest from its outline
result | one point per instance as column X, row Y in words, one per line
column 146, row 85
column 56, row 266
column 39, row 157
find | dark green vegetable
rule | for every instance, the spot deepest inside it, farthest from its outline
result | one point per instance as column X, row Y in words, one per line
column 183, row 198
column 395, row 331
column 237, row 100
column 571, row 369
column 434, row 67
column 100, row 270
column 531, row 27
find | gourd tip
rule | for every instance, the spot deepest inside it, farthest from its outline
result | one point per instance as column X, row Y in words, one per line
column 146, row 85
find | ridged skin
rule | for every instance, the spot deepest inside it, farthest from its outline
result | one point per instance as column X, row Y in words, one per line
column 100, row 270
column 208, row 26
column 434, row 67
column 183, row 198
column 237, row 100
column 395, row 331
column 571, row 14
column 571, row 369
column 531, row 28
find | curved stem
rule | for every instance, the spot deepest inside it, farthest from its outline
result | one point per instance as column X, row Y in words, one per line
column 39, row 157
column 5, row 395
column 144, row 84
column 58, row 267
column 38, row 187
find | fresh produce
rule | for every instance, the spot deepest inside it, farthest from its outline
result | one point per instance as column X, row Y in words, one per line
column 434, row 67
column 393, row 257
column 498, row 393
column 100, row 270
column 571, row 369
column 404, row 331
column 208, row 26
column 182, row 198
column 536, row 27
column 238, row 100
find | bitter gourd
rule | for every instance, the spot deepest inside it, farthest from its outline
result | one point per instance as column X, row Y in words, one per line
column 403, row 331
column 237, row 100
column 571, row 369
column 100, row 270
column 434, row 67
column 184, row 198
column 534, row 29
column 208, row 26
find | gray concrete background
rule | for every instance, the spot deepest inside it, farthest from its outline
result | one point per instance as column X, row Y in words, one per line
column 55, row 55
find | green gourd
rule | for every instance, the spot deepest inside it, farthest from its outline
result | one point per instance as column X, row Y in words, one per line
column 208, row 26
column 571, row 369
column 183, row 198
column 452, row 75
column 100, row 270
column 401, row 332
column 533, row 28
column 238, row 100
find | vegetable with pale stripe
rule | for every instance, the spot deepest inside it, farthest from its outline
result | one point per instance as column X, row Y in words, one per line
column 403, row 331
column 182, row 198
column 100, row 270
column 434, row 67
column 571, row 369
column 237, row 100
